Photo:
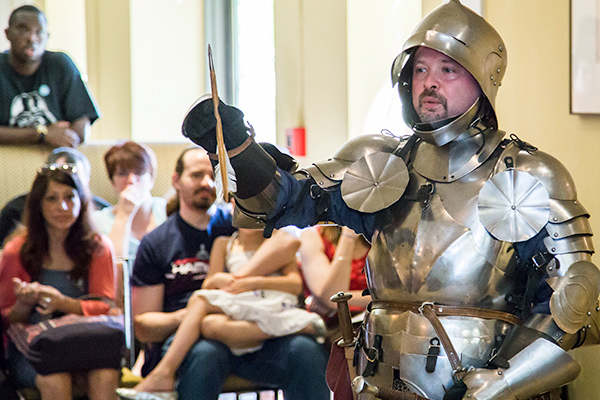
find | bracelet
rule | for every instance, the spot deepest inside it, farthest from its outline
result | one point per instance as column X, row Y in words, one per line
column 43, row 131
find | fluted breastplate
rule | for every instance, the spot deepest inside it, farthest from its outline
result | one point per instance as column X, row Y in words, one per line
column 430, row 246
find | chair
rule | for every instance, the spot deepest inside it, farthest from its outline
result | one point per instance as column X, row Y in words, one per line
column 240, row 386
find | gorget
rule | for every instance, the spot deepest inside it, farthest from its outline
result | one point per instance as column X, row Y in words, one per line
column 456, row 159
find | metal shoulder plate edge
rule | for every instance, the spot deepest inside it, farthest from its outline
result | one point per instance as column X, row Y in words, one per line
column 330, row 172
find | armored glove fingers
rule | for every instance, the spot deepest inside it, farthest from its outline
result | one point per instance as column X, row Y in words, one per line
column 199, row 125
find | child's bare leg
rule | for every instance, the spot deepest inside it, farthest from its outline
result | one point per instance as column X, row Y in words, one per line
column 235, row 334
column 162, row 377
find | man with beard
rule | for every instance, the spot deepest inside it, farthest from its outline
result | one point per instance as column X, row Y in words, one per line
column 480, row 268
column 172, row 262
column 42, row 96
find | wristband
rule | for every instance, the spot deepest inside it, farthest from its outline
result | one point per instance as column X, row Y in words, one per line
column 43, row 131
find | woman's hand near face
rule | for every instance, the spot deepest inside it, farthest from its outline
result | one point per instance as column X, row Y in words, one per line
column 131, row 198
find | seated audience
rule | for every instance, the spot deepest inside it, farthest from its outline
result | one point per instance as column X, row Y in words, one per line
column 44, row 270
column 131, row 169
column 172, row 262
column 13, row 210
column 333, row 260
column 241, row 312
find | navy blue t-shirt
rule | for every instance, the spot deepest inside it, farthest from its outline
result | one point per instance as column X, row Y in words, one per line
column 176, row 254
column 55, row 92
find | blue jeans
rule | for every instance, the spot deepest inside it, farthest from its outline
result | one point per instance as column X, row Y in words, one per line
column 296, row 364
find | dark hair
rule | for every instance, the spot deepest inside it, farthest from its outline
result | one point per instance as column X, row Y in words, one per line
column 130, row 156
column 173, row 203
column 25, row 8
column 81, row 241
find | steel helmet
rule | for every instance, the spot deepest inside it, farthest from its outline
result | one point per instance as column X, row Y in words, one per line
column 466, row 37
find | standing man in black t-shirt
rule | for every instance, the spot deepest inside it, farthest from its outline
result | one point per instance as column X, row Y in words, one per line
column 42, row 96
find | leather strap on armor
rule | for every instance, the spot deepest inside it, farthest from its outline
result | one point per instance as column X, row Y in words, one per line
column 234, row 152
column 427, row 310
column 447, row 310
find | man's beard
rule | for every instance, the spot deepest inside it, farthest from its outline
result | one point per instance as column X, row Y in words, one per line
column 203, row 203
column 428, row 117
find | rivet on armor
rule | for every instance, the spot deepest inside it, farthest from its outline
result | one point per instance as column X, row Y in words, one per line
column 549, row 268
column 491, row 77
column 498, row 70
column 495, row 83
column 589, row 313
column 331, row 175
column 589, row 327
column 440, row 310
column 597, row 308
column 555, row 219
column 553, row 249
column 499, row 372
column 513, row 207
column 555, row 234
column 575, row 202
column 500, row 48
column 376, row 183
column 320, row 183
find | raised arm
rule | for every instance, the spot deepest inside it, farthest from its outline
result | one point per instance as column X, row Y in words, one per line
column 267, row 192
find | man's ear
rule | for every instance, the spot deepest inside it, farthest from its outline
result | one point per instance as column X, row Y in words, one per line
column 175, row 180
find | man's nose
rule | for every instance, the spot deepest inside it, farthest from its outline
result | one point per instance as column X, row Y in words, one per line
column 207, row 181
column 431, row 81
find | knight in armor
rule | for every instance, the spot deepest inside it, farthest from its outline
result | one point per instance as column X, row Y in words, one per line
column 480, row 269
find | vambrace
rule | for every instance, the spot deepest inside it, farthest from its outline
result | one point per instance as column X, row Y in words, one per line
column 538, row 368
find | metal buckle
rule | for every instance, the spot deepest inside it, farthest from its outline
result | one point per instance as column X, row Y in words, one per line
column 425, row 303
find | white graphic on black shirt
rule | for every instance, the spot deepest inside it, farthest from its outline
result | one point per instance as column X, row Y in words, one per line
column 202, row 254
column 30, row 109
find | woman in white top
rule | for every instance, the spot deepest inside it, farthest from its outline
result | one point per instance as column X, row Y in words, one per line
column 131, row 169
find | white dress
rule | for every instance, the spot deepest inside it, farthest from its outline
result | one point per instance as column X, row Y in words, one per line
column 276, row 313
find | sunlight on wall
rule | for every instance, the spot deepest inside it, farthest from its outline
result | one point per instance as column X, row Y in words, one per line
column 256, row 66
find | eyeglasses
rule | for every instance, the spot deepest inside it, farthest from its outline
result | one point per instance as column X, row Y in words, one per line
column 72, row 168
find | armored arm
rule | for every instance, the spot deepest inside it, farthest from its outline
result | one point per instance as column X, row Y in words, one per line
column 533, row 358
column 271, row 192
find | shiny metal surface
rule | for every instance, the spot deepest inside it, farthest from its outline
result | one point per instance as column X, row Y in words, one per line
column 257, row 207
column 455, row 160
column 540, row 367
column 564, row 210
column 551, row 172
column 407, row 339
column 374, row 182
column 330, row 172
column 576, row 226
column 571, row 244
column 575, row 295
column 513, row 206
